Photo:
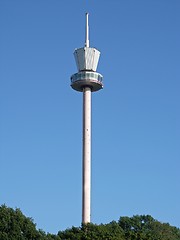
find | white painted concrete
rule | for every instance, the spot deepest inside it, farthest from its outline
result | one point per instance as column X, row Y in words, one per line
column 86, row 198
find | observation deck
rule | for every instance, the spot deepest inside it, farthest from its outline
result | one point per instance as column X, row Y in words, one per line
column 84, row 79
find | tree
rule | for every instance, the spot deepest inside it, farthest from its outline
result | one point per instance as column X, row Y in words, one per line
column 14, row 225
column 111, row 231
column 144, row 227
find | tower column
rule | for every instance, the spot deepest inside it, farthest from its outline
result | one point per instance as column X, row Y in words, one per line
column 86, row 184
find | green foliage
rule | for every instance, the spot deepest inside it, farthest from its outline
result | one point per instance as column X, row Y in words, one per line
column 15, row 226
column 146, row 228
column 164, row 231
column 92, row 231
column 137, row 227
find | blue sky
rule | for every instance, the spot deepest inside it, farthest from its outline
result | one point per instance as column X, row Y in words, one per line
column 135, row 125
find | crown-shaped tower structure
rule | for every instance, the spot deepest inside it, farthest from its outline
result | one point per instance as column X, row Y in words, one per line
column 87, row 61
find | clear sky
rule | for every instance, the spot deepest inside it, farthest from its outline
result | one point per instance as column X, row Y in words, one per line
column 136, row 117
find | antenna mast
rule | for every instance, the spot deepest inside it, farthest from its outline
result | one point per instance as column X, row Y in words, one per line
column 87, row 31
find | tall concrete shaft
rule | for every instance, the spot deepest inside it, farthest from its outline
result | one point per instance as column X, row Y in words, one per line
column 86, row 80
column 86, row 193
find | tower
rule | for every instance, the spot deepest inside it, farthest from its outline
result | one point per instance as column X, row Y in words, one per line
column 86, row 80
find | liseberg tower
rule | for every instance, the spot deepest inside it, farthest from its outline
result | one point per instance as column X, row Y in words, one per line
column 86, row 80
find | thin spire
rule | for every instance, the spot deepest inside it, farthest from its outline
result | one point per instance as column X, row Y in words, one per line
column 87, row 31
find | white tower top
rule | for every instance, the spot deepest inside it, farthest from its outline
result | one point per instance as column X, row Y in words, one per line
column 87, row 58
column 87, row 61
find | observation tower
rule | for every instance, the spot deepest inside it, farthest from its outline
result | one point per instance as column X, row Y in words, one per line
column 86, row 80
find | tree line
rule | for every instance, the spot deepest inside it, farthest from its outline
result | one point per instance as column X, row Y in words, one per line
column 14, row 225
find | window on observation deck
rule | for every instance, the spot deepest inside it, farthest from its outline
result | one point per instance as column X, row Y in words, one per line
column 92, row 75
column 83, row 75
column 100, row 78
